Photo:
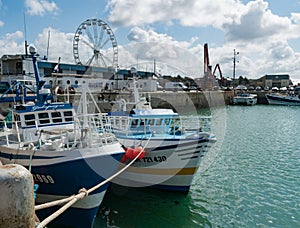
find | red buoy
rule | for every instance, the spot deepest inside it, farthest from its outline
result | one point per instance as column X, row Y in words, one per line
column 137, row 150
column 129, row 153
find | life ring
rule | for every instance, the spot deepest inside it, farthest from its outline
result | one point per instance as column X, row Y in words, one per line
column 71, row 90
column 58, row 90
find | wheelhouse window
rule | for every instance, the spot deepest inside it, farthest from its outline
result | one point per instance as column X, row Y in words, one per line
column 44, row 118
column 134, row 122
column 68, row 116
column 167, row 121
column 158, row 121
column 151, row 121
column 56, row 117
column 29, row 119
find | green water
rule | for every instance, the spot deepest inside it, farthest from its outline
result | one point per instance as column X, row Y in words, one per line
column 250, row 179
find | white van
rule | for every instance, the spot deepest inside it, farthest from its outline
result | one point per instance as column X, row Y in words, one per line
column 175, row 86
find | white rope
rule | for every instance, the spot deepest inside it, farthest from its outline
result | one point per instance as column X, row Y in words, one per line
column 82, row 193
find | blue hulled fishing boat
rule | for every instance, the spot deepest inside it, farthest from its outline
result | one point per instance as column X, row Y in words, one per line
column 64, row 151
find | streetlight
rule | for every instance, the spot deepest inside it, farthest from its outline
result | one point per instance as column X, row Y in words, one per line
column 234, row 61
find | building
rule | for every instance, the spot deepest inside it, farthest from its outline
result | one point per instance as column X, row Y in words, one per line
column 270, row 80
column 19, row 68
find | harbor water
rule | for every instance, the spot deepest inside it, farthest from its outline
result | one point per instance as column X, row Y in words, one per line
column 251, row 178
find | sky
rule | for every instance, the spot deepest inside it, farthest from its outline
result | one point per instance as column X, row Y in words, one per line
column 265, row 35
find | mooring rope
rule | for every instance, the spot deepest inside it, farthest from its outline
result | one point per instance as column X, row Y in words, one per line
column 82, row 193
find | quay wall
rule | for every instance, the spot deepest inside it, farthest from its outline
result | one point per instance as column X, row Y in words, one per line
column 179, row 101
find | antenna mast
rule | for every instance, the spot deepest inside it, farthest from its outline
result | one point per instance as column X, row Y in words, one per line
column 25, row 34
column 48, row 43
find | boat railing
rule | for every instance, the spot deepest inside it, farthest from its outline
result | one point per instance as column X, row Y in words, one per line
column 192, row 123
column 86, row 131
column 98, row 132
column 127, row 125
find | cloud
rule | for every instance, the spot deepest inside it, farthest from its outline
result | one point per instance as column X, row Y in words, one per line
column 137, row 34
column 257, row 22
column 191, row 13
column 40, row 7
column 240, row 22
column 62, row 49
column 1, row 23
column 10, row 43
column 147, row 45
column 295, row 17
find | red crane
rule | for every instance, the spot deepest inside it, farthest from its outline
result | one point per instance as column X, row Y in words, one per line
column 208, row 68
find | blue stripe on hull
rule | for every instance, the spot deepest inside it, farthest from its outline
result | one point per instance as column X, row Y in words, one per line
column 73, row 217
column 190, row 142
column 183, row 143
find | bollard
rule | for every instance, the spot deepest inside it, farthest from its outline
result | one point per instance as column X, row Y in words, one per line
column 16, row 197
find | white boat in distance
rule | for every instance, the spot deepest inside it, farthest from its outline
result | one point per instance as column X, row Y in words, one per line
column 280, row 99
column 64, row 151
column 175, row 145
column 245, row 99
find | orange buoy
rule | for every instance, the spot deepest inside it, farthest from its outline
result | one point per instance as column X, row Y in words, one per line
column 138, row 150
column 129, row 153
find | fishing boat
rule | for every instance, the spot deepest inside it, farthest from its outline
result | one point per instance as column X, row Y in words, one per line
column 280, row 99
column 64, row 151
column 174, row 145
column 245, row 99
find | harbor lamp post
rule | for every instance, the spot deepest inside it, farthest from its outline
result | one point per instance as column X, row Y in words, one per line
column 234, row 61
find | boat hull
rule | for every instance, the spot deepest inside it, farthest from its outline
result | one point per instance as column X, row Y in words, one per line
column 245, row 100
column 168, row 163
column 282, row 100
column 62, row 174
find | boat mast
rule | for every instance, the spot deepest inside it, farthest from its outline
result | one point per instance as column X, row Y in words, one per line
column 39, row 82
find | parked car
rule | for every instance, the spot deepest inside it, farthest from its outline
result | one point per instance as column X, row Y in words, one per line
column 283, row 89
column 297, row 90
column 251, row 88
column 241, row 87
column 266, row 88
column 258, row 88
column 275, row 89
column 194, row 87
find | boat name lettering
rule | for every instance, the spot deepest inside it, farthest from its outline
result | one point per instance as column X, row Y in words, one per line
column 36, row 108
column 43, row 178
column 154, row 159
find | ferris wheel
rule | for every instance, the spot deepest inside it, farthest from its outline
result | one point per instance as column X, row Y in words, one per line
column 94, row 44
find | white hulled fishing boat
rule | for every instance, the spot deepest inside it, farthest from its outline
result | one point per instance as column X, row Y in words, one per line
column 175, row 146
